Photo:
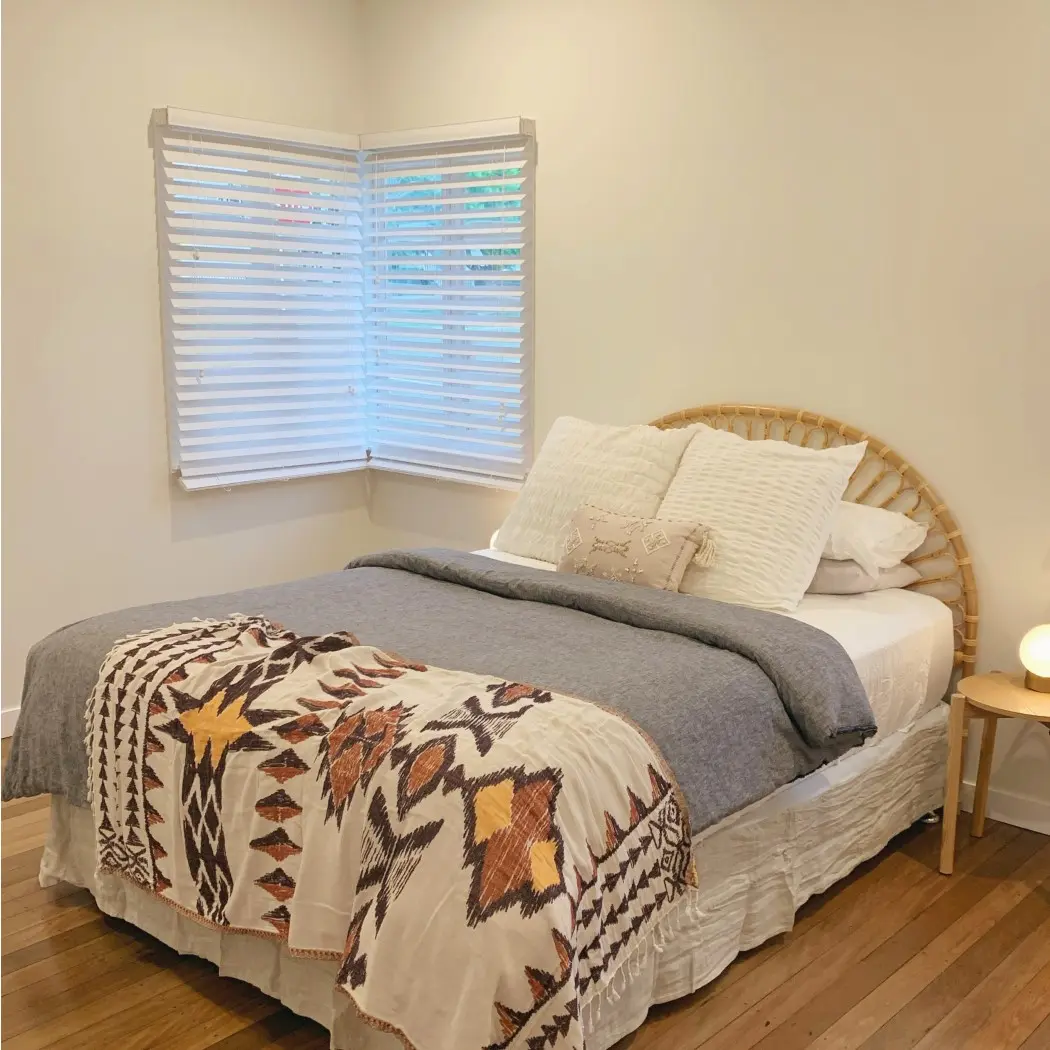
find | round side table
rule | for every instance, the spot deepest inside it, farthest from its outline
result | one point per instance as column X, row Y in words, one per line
column 988, row 697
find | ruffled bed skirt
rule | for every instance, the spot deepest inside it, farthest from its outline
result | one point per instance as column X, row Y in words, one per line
column 756, row 868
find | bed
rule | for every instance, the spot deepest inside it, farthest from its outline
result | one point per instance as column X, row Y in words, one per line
column 755, row 863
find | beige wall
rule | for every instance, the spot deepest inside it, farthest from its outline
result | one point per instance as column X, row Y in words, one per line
column 836, row 205
column 90, row 519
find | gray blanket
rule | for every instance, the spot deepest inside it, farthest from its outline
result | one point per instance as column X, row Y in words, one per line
column 740, row 702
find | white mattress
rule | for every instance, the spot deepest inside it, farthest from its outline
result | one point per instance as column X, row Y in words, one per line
column 900, row 642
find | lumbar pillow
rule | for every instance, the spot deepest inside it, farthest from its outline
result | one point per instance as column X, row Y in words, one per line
column 633, row 550
column 626, row 470
column 847, row 577
column 769, row 505
column 872, row 537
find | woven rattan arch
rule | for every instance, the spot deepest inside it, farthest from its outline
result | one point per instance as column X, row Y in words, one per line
column 883, row 479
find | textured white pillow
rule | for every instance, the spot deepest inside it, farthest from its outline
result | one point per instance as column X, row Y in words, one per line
column 625, row 470
column 769, row 505
column 847, row 577
column 872, row 537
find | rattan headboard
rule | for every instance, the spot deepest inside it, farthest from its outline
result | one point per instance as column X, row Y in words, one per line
column 883, row 479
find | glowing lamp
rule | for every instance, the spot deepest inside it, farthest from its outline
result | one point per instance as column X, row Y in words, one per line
column 1035, row 655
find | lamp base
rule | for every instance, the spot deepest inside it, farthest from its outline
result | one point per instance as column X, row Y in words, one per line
column 1036, row 682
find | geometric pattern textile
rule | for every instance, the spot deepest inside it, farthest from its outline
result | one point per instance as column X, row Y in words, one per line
column 482, row 857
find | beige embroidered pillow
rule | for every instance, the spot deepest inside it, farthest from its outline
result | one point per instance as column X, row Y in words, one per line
column 626, row 469
column 632, row 549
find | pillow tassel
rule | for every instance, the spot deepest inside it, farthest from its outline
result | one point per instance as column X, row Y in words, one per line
column 705, row 551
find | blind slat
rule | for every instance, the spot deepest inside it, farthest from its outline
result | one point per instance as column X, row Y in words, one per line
column 217, row 471
column 439, row 399
column 218, row 413
column 213, row 428
column 211, row 259
column 423, row 338
column 255, row 392
column 231, row 439
column 412, row 353
column 448, row 408
column 329, row 347
column 410, row 191
column 269, row 448
column 252, row 477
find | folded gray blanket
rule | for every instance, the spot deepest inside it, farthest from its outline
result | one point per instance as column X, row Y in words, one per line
column 739, row 701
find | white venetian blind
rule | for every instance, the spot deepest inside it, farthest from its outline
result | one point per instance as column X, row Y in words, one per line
column 448, row 313
column 260, row 247
column 333, row 302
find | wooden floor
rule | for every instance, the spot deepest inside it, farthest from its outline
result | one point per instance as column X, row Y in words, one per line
column 897, row 956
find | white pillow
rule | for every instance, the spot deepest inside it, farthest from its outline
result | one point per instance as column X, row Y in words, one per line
column 872, row 537
column 625, row 470
column 769, row 505
column 847, row 577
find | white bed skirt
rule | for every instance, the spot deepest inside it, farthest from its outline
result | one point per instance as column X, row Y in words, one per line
column 756, row 868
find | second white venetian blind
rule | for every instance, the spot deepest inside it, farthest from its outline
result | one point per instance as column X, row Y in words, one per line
column 448, row 250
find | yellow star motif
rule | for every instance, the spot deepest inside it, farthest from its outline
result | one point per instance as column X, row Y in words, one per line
column 208, row 725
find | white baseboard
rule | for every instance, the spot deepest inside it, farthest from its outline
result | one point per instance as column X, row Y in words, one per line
column 1022, row 811
column 8, row 717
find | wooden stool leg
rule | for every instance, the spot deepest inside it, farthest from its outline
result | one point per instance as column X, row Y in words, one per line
column 984, row 772
column 956, row 726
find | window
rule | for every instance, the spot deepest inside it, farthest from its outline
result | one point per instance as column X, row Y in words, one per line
column 332, row 303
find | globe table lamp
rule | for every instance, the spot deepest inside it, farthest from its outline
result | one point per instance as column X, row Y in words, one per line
column 1035, row 655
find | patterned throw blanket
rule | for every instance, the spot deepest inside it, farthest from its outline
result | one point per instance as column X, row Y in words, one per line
column 482, row 857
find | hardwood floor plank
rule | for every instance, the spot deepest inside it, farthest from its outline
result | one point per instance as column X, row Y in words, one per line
column 280, row 1031
column 22, row 896
column 42, row 909
column 1040, row 1038
column 117, row 943
column 48, row 999
column 994, row 992
column 989, row 921
column 877, row 894
column 1012, row 1026
column 30, row 832
column 25, row 842
column 60, row 942
column 928, row 1000
column 32, row 818
column 856, row 890
column 812, row 935
column 24, row 866
column 802, row 1010
column 186, row 1006
column 719, row 1004
column 46, row 927
column 18, row 806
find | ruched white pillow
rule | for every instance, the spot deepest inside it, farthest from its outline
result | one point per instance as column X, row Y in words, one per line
column 769, row 505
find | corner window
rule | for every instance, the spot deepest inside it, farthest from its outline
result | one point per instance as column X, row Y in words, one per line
column 330, row 308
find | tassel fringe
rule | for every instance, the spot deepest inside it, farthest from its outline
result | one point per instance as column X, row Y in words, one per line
column 630, row 967
column 705, row 551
